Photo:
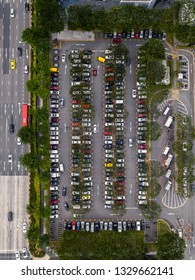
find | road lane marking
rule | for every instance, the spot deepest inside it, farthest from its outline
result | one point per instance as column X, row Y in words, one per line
column 65, row 67
column 65, row 127
column 130, row 188
column 130, row 69
column 130, row 126
column 98, row 189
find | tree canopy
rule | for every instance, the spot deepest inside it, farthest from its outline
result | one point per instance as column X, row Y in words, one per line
column 170, row 247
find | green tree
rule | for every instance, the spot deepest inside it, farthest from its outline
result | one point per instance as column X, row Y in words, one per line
column 170, row 247
column 30, row 161
column 152, row 210
column 44, row 240
column 26, row 134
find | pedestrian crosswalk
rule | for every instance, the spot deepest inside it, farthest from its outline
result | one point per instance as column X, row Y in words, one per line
column 178, row 105
column 173, row 200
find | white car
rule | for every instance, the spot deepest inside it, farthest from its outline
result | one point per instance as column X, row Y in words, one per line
column 134, row 93
column 25, row 254
column 130, row 143
column 10, row 158
column 95, row 128
column 63, row 57
column 24, row 227
column 17, row 255
column 142, row 197
column 19, row 141
column 26, row 69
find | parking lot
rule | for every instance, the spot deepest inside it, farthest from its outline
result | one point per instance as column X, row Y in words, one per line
column 89, row 126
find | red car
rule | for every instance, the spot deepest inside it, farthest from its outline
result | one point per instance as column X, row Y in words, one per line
column 119, row 189
column 122, row 192
column 76, row 101
column 142, row 115
column 95, row 72
column 120, row 174
column 109, row 69
column 107, row 132
column 142, row 146
column 136, row 35
column 119, row 202
column 121, row 183
column 109, row 79
column 54, row 88
column 75, row 124
column 116, row 40
column 53, row 202
column 73, row 226
column 141, row 101
column 86, row 106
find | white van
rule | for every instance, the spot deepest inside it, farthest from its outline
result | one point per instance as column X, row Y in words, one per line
column 168, row 173
column 166, row 111
column 168, row 122
column 54, row 128
column 168, row 185
column 54, row 188
column 166, row 150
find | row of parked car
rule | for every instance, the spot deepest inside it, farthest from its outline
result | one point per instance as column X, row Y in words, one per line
column 142, row 126
column 114, row 123
column 82, row 129
column 133, row 34
column 56, row 167
column 95, row 226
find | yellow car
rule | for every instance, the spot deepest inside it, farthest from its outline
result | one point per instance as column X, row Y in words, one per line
column 13, row 64
column 85, row 197
column 108, row 164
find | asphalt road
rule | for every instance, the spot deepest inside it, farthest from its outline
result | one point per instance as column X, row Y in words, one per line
column 13, row 177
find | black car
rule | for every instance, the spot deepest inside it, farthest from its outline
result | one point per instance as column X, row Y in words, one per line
column 56, row 179
column 142, row 225
column 54, row 110
column 66, row 206
column 55, row 79
column 54, row 96
column 64, row 191
column 10, row 216
column 54, row 124
column 55, row 74
column 133, row 224
column 97, row 226
column 69, row 224
column 121, row 179
column 87, row 52
column 115, row 226
column 26, row 7
column 108, row 146
column 19, row 51
column 54, row 169
column 53, row 164
column 129, row 225
column 11, row 128
column 53, row 197
column 110, row 35
column 54, row 183
column 128, row 61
